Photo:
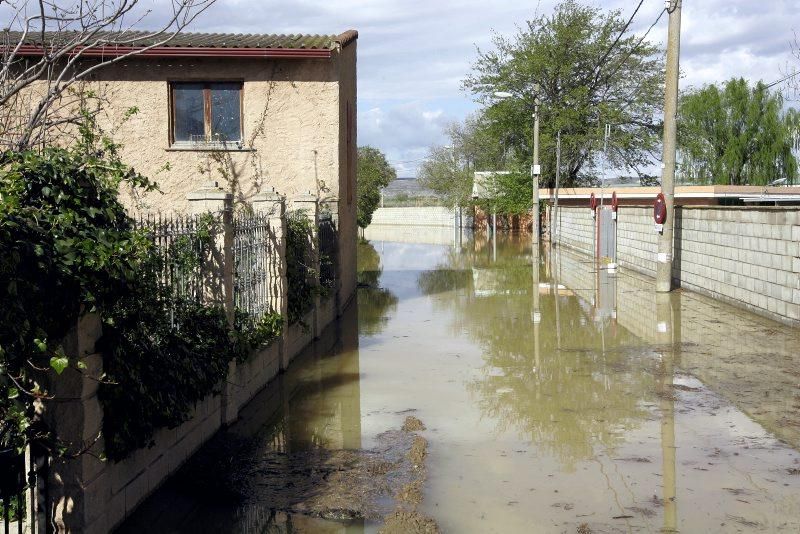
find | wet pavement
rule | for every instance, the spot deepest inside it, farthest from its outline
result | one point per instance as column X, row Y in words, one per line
column 556, row 398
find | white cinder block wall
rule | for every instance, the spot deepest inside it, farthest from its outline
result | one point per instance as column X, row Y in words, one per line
column 748, row 256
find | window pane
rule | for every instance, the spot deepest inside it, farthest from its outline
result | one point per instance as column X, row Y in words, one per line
column 226, row 112
column 188, row 102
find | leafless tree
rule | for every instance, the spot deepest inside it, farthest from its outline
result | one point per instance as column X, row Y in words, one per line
column 50, row 47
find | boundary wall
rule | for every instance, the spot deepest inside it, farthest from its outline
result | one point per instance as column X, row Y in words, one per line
column 90, row 495
column 746, row 256
column 420, row 216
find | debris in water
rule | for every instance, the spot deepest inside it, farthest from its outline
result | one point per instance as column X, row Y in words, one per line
column 412, row 424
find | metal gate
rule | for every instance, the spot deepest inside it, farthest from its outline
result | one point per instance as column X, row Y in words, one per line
column 606, row 236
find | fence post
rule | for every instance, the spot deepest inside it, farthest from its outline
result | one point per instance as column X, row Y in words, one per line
column 274, row 205
column 309, row 205
column 211, row 199
column 331, row 205
column 77, row 482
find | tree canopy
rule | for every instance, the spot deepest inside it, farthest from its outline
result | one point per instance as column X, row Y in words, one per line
column 374, row 173
column 736, row 134
column 590, row 70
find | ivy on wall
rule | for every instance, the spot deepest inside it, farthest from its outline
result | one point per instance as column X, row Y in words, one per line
column 300, row 272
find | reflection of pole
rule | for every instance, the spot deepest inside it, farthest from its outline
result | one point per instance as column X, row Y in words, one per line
column 494, row 240
column 536, row 315
column 664, row 335
column 556, row 280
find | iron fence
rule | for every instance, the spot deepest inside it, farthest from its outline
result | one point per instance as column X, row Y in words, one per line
column 16, row 480
column 182, row 244
column 256, row 264
column 328, row 251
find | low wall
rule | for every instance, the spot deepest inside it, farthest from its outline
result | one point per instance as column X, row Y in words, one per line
column 411, row 216
column 747, row 256
column 90, row 495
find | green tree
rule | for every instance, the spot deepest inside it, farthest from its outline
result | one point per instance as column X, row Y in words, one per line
column 591, row 71
column 374, row 173
column 736, row 135
column 448, row 171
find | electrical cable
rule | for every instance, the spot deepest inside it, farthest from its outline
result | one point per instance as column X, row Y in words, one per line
column 616, row 41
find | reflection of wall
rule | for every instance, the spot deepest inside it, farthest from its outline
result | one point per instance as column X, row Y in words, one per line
column 746, row 256
column 748, row 359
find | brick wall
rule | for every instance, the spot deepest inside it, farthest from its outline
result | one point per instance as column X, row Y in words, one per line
column 748, row 256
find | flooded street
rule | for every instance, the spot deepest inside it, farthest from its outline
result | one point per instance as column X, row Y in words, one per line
column 555, row 398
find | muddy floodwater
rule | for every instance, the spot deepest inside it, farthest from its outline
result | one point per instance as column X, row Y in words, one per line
column 480, row 387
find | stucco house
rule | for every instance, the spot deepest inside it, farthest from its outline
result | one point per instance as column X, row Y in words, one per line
column 251, row 112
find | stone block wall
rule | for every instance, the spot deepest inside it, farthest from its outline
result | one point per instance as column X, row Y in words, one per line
column 747, row 256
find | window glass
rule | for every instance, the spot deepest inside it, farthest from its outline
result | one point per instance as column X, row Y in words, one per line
column 225, row 112
column 188, row 112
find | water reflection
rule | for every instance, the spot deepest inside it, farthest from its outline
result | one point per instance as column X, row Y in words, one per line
column 277, row 456
column 565, row 397
column 375, row 303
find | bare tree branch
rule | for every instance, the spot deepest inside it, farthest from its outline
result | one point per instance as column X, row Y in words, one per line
column 62, row 44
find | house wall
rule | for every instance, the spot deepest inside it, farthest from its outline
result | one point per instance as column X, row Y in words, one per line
column 346, row 66
column 748, row 256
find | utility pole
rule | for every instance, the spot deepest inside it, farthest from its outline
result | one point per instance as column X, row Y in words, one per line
column 664, row 260
column 536, row 169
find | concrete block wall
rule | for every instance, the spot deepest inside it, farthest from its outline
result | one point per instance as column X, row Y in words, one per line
column 637, row 240
column 414, row 216
column 746, row 256
column 576, row 228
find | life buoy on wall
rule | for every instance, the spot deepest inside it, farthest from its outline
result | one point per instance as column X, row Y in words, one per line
column 593, row 202
column 660, row 209
column 614, row 201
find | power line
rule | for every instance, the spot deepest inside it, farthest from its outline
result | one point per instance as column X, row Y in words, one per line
column 636, row 47
column 616, row 41
column 776, row 82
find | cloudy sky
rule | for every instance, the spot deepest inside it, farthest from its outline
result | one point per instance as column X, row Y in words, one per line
column 413, row 54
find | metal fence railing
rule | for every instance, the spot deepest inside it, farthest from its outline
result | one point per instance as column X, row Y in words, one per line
column 327, row 235
column 16, row 478
column 256, row 264
column 182, row 243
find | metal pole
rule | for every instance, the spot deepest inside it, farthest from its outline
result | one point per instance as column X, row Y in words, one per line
column 556, row 221
column 535, row 170
column 664, row 259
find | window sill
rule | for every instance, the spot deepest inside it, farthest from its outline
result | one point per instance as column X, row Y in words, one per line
column 208, row 147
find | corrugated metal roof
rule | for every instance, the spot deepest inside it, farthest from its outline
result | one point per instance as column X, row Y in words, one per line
column 191, row 40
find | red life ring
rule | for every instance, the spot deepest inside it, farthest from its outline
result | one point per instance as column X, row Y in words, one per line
column 614, row 201
column 593, row 202
column 660, row 209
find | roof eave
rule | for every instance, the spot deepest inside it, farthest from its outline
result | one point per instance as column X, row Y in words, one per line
column 193, row 51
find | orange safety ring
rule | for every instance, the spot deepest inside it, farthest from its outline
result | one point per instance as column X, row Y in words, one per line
column 614, row 201
column 593, row 202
